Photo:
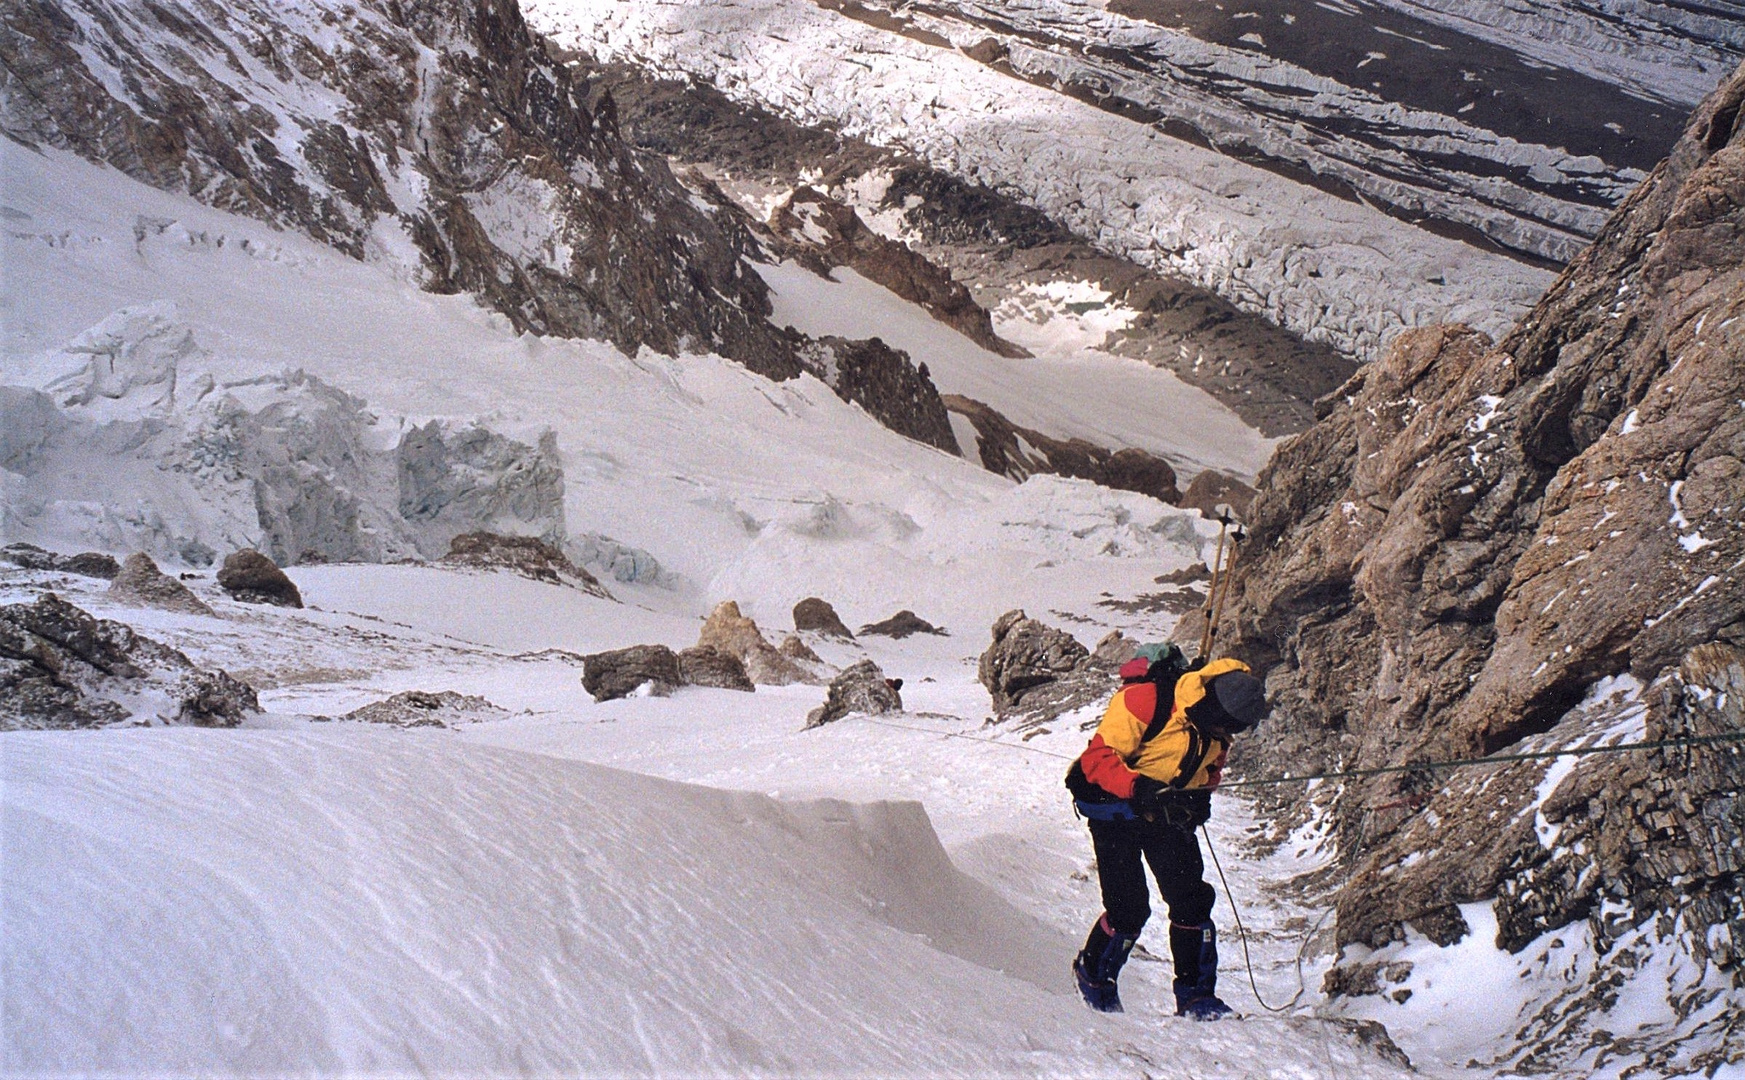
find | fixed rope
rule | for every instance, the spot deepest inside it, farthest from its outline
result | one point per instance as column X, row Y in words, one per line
column 1347, row 774
column 1494, row 759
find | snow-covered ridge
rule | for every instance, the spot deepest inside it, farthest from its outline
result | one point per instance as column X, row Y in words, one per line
column 1329, row 269
column 434, row 138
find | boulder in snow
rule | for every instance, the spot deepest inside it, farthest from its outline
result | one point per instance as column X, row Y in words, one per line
column 528, row 556
column 902, row 624
column 419, row 708
column 1025, row 654
column 733, row 633
column 817, row 615
column 862, row 688
column 62, row 668
column 706, row 665
column 141, row 582
column 619, row 673
column 253, row 578
column 85, row 564
column 795, row 649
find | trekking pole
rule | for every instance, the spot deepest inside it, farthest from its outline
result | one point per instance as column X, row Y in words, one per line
column 1212, row 590
column 1221, row 592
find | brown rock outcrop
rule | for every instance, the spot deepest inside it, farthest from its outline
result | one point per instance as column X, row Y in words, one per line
column 62, row 668
column 901, row 625
column 834, row 233
column 817, row 615
column 738, row 636
column 705, row 665
column 528, row 556
column 618, row 673
column 1035, row 672
column 85, row 564
column 1024, row 654
column 1010, row 450
column 252, row 578
column 883, row 381
column 421, row 708
column 141, row 582
column 1474, row 535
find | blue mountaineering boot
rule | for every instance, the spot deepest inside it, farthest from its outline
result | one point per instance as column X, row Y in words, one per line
column 1195, row 951
column 1098, row 964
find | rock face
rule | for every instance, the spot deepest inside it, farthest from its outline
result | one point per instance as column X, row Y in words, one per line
column 141, row 582
column 885, row 383
column 436, row 128
column 817, row 615
column 1009, row 450
column 901, row 625
column 1211, row 489
column 987, row 239
column 862, row 688
column 61, row 668
column 1476, row 534
column 253, row 578
column 528, row 556
column 832, row 234
column 619, row 673
column 1035, row 672
column 85, row 564
column 705, row 665
column 738, row 636
column 419, row 708
column 1025, row 654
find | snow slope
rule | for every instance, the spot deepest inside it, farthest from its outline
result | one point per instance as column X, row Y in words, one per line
column 742, row 487
column 1064, row 392
column 1329, row 269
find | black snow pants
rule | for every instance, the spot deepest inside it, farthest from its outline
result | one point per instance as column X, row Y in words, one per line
column 1174, row 855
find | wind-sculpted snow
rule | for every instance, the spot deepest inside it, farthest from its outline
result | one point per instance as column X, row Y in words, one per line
column 1333, row 270
column 390, row 902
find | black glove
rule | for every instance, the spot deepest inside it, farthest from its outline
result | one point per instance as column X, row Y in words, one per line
column 1148, row 796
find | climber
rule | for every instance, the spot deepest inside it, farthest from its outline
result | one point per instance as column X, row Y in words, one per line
column 1144, row 785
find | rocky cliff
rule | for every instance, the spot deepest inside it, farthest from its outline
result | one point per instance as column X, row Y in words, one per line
column 434, row 134
column 1481, row 544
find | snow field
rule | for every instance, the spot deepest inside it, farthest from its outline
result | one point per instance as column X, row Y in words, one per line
column 404, row 899
column 749, row 490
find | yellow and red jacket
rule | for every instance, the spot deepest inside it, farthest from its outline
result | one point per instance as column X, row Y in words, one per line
column 1119, row 753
